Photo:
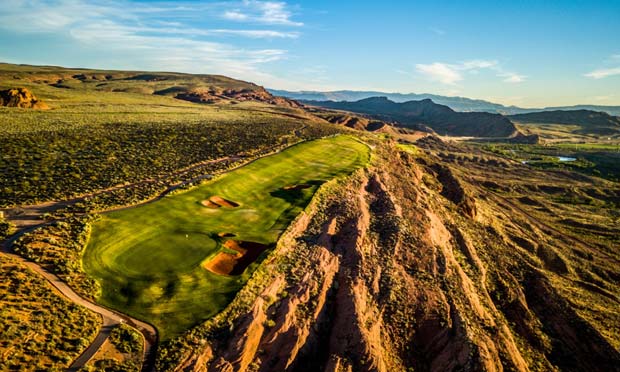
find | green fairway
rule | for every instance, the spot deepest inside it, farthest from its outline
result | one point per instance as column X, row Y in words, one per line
column 150, row 260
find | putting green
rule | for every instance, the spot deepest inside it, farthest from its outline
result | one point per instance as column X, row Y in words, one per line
column 152, row 260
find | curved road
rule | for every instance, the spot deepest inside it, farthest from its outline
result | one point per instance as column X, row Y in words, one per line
column 110, row 318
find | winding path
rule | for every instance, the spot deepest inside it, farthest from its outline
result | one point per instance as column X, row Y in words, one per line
column 110, row 318
column 28, row 218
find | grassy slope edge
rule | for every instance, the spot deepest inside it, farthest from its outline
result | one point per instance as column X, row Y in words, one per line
column 149, row 260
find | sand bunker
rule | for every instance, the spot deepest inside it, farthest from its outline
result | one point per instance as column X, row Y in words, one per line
column 297, row 187
column 226, row 263
column 218, row 202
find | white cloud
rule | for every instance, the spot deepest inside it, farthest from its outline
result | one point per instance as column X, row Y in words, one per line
column 603, row 73
column 161, row 36
column 235, row 15
column 441, row 72
column 514, row 79
column 266, row 12
column 256, row 34
column 477, row 64
column 39, row 16
column 612, row 70
column 219, row 56
column 70, row 15
column 511, row 77
column 450, row 74
column 274, row 13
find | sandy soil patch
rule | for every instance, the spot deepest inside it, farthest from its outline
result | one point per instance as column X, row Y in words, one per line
column 226, row 263
column 219, row 202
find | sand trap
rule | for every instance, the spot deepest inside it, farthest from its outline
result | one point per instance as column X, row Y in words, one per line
column 226, row 263
column 297, row 187
column 218, row 202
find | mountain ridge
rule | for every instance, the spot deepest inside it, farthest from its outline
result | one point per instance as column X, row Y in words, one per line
column 442, row 119
column 589, row 122
column 583, row 117
column 197, row 88
column 462, row 104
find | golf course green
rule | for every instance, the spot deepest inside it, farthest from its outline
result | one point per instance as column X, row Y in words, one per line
column 178, row 261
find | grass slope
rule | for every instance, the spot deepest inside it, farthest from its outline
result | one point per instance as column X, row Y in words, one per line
column 141, row 82
column 107, row 128
column 148, row 259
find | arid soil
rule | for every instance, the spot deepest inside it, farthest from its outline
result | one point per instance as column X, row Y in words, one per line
column 219, row 202
column 448, row 260
column 226, row 263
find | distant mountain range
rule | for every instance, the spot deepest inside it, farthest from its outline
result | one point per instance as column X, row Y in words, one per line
column 425, row 113
column 461, row 104
column 591, row 122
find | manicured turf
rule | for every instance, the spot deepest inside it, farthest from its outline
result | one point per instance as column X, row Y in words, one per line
column 149, row 259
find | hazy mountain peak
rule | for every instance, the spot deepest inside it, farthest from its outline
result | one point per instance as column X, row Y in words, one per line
column 461, row 104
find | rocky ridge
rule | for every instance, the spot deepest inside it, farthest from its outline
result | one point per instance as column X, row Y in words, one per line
column 412, row 264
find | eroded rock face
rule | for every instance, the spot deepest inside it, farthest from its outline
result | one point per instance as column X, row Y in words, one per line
column 21, row 97
column 216, row 95
column 358, row 122
column 395, row 271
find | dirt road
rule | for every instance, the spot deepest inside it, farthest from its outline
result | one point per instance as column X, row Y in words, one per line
column 110, row 318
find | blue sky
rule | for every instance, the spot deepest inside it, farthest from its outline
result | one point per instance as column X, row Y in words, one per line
column 527, row 53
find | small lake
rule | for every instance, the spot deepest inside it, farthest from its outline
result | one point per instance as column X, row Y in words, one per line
column 566, row 158
column 560, row 158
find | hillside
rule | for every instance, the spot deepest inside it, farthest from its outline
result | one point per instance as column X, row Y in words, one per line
column 611, row 110
column 589, row 122
column 106, row 129
column 440, row 118
column 436, row 258
column 582, row 117
column 462, row 104
column 260, row 235
column 189, row 87
column 368, row 124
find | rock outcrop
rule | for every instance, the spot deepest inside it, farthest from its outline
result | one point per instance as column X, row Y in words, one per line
column 417, row 114
column 217, row 95
column 412, row 265
column 21, row 97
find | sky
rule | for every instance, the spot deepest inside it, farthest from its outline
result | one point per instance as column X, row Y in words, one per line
column 524, row 53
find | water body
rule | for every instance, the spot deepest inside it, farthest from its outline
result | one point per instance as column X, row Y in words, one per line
column 566, row 158
column 560, row 158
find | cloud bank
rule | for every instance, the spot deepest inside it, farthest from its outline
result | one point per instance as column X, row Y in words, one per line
column 164, row 35
column 451, row 74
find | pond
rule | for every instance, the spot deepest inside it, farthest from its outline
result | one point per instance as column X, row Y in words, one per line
column 566, row 158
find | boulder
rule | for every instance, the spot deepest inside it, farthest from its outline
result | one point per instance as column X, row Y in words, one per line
column 20, row 97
